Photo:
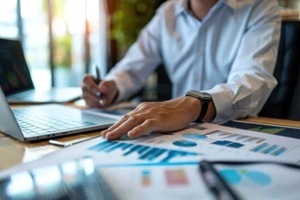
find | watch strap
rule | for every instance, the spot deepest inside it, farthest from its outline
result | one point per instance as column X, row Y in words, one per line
column 204, row 109
column 204, row 99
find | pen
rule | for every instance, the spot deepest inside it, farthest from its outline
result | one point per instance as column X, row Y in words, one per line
column 71, row 142
column 215, row 182
column 98, row 80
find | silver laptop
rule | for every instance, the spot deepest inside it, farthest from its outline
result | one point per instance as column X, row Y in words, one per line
column 16, row 81
column 37, row 122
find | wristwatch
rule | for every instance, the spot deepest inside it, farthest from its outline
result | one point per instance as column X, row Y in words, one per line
column 204, row 99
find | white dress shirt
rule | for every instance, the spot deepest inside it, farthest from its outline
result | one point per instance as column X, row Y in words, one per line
column 230, row 54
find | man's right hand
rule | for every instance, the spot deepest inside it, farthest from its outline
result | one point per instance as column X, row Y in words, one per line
column 89, row 87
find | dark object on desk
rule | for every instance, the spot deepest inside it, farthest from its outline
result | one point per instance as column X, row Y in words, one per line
column 223, row 190
column 216, row 183
column 16, row 81
column 284, row 100
column 77, row 179
column 98, row 80
column 276, row 130
column 32, row 123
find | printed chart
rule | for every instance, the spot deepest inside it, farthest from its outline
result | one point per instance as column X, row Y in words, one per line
column 145, row 153
column 191, row 145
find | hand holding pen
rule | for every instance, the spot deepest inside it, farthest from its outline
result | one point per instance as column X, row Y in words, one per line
column 97, row 92
column 98, row 81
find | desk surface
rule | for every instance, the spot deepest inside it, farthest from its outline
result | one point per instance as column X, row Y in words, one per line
column 13, row 152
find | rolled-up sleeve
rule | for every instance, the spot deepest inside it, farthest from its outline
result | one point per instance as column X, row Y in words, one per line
column 251, row 79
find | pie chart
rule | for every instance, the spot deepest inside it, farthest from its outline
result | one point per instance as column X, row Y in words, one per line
column 184, row 143
column 235, row 177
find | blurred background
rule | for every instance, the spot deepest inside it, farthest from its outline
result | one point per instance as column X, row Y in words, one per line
column 64, row 39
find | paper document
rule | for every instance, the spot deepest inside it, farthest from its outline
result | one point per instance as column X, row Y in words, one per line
column 189, row 146
column 262, row 181
column 165, row 166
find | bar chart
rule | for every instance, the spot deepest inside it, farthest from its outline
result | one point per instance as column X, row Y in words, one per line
column 143, row 152
column 266, row 148
column 232, row 140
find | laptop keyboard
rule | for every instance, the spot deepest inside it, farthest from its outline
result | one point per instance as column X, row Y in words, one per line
column 39, row 124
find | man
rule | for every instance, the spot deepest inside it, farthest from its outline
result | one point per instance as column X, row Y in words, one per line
column 219, row 55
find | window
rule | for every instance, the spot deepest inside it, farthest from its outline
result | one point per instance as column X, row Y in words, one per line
column 62, row 39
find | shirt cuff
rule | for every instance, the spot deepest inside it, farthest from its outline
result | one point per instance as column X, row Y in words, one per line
column 222, row 101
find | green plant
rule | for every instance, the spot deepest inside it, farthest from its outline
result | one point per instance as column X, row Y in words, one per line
column 129, row 18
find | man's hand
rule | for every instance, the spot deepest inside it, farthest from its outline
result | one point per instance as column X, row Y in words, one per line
column 149, row 117
column 90, row 88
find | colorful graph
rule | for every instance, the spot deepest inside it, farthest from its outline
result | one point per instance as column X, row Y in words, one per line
column 228, row 143
column 236, row 137
column 235, row 177
column 146, row 178
column 266, row 148
column 176, row 177
column 145, row 153
column 184, row 143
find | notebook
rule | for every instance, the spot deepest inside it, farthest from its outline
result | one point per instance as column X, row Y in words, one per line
column 16, row 81
column 37, row 122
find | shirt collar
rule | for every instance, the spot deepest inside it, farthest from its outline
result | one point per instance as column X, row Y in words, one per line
column 183, row 5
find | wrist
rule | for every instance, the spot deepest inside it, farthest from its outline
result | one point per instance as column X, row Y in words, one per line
column 204, row 100
column 194, row 107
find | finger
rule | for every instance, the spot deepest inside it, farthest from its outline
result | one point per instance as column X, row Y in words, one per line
column 146, row 127
column 123, row 128
column 114, row 126
column 88, row 82
column 109, row 91
column 90, row 98
column 136, row 117
column 121, row 121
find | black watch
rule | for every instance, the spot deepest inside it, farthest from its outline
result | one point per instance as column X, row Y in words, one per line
column 204, row 99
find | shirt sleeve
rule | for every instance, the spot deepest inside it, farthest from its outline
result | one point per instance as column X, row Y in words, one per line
column 251, row 79
column 131, row 73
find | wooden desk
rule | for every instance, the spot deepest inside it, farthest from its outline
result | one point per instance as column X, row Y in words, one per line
column 13, row 152
column 273, row 121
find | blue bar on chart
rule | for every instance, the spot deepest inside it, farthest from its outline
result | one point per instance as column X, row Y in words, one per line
column 235, row 145
column 144, row 152
column 228, row 143
column 222, row 142
column 270, row 149
column 267, row 149
column 279, row 151
column 260, row 147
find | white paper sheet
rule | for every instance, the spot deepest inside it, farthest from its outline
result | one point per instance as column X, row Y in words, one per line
column 180, row 150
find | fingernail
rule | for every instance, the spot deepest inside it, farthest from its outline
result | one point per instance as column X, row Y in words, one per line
column 131, row 133
column 109, row 136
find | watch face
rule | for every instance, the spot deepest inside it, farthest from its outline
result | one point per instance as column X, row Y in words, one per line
column 197, row 94
column 205, row 95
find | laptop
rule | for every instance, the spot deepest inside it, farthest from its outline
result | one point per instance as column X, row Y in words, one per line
column 16, row 81
column 37, row 122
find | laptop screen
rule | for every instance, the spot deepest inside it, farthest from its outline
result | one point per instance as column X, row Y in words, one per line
column 14, row 73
